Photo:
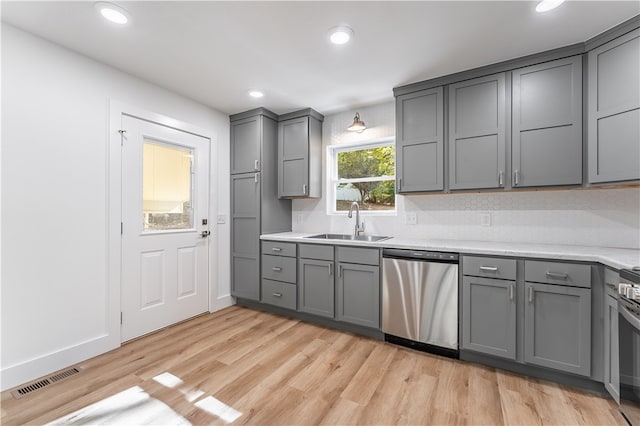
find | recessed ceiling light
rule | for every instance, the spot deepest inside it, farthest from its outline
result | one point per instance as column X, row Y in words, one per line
column 112, row 13
column 256, row 94
column 340, row 35
column 546, row 5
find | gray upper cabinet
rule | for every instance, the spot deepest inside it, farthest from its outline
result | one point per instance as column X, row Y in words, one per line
column 614, row 110
column 547, row 124
column 255, row 207
column 420, row 141
column 476, row 140
column 489, row 316
column 300, row 154
column 558, row 327
column 245, row 145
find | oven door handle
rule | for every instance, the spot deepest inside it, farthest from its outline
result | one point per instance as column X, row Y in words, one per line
column 631, row 319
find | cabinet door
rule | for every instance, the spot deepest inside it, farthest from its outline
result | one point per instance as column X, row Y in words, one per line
column 358, row 298
column 558, row 327
column 476, row 139
column 315, row 287
column 547, row 124
column 489, row 316
column 245, row 235
column 245, row 145
column 614, row 110
column 420, row 141
column 293, row 157
column 611, row 360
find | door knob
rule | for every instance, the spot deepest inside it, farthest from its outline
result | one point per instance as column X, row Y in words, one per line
column 205, row 234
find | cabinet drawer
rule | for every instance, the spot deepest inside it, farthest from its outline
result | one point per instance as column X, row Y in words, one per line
column 279, row 268
column 557, row 273
column 489, row 267
column 358, row 255
column 279, row 249
column 279, row 294
column 316, row 251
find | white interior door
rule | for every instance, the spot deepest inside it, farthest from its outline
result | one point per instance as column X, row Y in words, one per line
column 165, row 259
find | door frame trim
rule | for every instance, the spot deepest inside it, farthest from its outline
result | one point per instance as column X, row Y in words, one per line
column 114, row 206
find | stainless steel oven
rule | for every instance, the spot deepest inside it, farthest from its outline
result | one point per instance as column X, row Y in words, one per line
column 629, row 345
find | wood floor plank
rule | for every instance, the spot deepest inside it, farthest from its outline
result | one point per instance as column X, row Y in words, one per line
column 243, row 366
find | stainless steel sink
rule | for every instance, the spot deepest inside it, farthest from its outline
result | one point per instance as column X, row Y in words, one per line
column 349, row 237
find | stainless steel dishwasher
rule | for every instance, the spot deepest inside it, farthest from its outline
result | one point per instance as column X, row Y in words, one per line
column 420, row 300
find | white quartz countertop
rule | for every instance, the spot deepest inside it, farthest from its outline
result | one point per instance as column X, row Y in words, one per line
column 616, row 258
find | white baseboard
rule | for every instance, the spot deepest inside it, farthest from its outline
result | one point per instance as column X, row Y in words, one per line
column 26, row 371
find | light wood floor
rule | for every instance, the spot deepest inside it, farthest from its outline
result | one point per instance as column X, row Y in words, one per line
column 258, row 368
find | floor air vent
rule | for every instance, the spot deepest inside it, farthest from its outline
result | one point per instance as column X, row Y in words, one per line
column 34, row 386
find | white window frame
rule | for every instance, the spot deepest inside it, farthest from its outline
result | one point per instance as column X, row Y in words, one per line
column 332, row 175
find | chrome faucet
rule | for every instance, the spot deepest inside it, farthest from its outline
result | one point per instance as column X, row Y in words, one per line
column 359, row 226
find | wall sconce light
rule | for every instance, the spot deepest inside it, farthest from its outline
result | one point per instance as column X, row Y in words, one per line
column 358, row 125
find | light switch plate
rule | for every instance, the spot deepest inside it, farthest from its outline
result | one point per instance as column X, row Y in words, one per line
column 222, row 218
column 411, row 218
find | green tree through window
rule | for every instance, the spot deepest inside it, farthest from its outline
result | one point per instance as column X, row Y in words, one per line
column 365, row 175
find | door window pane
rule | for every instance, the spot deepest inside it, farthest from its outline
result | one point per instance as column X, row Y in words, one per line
column 167, row 187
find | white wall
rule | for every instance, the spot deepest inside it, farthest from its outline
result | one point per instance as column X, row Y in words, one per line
column 592, row 217
column 55, row 118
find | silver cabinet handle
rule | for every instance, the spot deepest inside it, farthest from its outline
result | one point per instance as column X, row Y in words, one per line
column 557, row 275
column 256, row 165
column 330, row 269
column 340, row 270
column 489, row 268
column 530, row 294
column 501, row 178
column 255, row 178
column 511, row 292
column 304, row 188
column 399, row 184
column 276, row 268
column 276, row 249
column 516, row 177
column 277, row 294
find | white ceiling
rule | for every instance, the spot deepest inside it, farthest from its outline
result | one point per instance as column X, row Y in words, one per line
column 214, row 52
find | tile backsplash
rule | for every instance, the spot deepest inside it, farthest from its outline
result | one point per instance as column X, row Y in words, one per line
column 606, row 217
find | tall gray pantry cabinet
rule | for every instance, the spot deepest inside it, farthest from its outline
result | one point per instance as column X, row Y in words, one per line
column 255, row 207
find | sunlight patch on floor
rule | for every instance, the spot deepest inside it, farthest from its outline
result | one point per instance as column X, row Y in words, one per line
column 219, row 409
column 168, row 380
column 130, row 407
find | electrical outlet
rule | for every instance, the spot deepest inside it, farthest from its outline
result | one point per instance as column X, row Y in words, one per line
column 300, row 217
column 411, row 218
column 485, row 219
column 222, row 218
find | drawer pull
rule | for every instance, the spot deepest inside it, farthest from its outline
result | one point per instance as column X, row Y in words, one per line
column 511, row 292
column 489, row 268
column 277, row 294
column 276, row 249
column 276, row 268
column 530, row 294
column 256, row 164
column 557, row 275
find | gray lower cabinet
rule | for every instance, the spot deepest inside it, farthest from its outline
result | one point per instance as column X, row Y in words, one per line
column 245, row 236
column 476, row 140
column 316, row 287
column 420, row 141
column 300, row 154
column 547, row 124
column 558, row 327
column 358, row 298
column 611, row 360
column 489, row 313
column 614, row 110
